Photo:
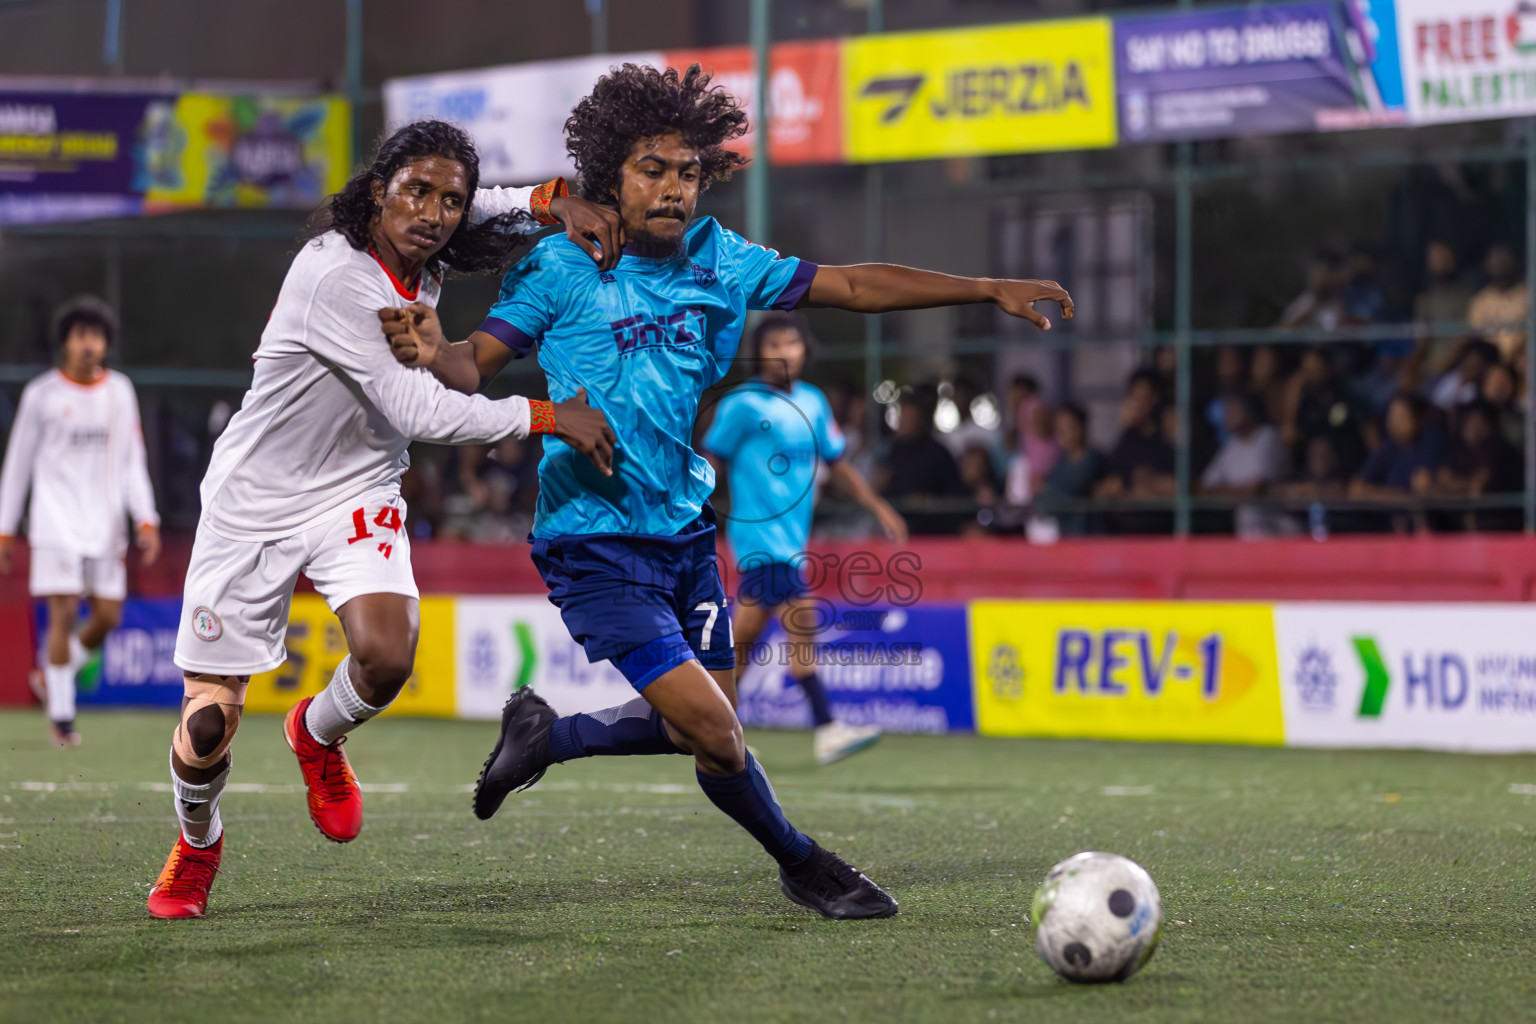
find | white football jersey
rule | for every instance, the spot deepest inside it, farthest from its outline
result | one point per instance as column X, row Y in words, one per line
column 79, row 450
column 330, row 412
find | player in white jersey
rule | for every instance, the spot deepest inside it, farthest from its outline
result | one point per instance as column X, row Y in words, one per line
column 76, row 446
column 306, row 478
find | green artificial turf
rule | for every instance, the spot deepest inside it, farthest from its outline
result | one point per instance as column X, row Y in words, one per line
column 1297, row 885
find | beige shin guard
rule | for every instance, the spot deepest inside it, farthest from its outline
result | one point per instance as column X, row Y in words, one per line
column 227, row 693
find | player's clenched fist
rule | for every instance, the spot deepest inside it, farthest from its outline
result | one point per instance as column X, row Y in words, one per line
column 1018, row 298
column 585, row 429
column 414, row 332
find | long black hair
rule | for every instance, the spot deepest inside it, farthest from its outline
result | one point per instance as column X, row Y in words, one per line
column 637, row 102
column 487, row 247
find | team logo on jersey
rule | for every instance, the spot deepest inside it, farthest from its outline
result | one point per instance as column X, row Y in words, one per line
column 703, row 276
column 206, row 625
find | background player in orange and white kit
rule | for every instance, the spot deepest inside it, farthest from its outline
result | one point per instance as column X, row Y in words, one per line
column 77, row 447
column 306, row 478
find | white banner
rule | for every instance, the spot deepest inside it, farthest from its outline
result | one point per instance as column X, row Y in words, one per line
column 505, row 642
column 1445, row 677
column 516, row 114
column 1465, row 60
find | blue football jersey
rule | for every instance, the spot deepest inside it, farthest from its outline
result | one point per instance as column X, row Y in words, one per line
column 773, row 441
column 645, row 340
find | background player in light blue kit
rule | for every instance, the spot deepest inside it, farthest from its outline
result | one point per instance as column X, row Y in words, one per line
column 774, row 432
column 629, row 558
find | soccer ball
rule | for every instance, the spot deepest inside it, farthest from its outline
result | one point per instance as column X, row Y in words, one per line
column 1097, row 917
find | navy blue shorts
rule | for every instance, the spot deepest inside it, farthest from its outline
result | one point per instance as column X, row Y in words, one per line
column 645, row 603
column 770, row 584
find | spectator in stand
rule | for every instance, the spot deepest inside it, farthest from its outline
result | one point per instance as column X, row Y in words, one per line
column 917, row 470
column 1077, row 470
column 1443, row 300
column 850, row 407
column 1464, row 382
column 1322, row 303
column 1322, row 477
column 1231, row 381
column 1480, row 462
column 1248, row 464
column 1266, row 379
column 1365, row 300
column 1498, row 311
column 1022, row 387
column 1142, row 463
column 1318, row 403
column 500, row 488
column 1501, row 390
column 1038, row 449
column 1412, row 450
column 969, row 434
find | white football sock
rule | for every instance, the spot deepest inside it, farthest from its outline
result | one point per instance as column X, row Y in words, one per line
column 337, row 709
column 61, row 692
column 79, row 654
column 197, row 807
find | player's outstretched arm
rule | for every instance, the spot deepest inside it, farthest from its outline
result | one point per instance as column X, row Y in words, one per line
column 16, row 476
column 885, row 288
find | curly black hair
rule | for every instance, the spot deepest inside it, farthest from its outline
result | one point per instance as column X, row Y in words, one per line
column 637, row 102
column 487, row 247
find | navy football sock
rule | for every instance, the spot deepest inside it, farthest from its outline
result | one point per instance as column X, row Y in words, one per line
column 633, row 728
column 750, row 801
column 821, row 708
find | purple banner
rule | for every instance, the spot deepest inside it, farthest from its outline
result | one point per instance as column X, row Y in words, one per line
column 71, row 143
column 1245, row 71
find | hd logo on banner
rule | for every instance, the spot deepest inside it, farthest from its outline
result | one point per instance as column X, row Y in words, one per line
column 1448, row 677
column 1202, row 673
column 998, row 89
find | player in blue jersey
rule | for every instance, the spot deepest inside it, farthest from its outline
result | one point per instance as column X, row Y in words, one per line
column 773, row 433
column 629, row 558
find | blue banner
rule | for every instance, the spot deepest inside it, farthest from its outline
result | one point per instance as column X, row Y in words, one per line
column 136, row 666
column 903, row 669
column 1257, row 71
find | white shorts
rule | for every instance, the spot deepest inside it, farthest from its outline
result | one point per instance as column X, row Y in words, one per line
column 234, row 609
column 58, row 573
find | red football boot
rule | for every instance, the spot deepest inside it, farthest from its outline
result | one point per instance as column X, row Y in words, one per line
column 335, row 799
column 182, row 888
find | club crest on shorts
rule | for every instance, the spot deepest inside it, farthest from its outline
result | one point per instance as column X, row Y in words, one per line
column 206, row 625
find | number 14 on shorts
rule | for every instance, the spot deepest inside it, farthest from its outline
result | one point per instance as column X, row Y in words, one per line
column 388, row 518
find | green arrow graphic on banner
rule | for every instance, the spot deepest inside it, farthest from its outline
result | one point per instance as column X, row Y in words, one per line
column 530, row 660
column 1376, row 678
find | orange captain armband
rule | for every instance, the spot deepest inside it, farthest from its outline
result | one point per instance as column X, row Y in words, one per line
column 541, row 417
column 538, row 203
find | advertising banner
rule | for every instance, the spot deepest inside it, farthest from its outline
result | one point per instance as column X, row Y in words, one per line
column 903, row 669
column 135, row 668
column 316, row 646
column 516, row 114
column 969, row 92
column 1250, row 71
column 76, row 155
column 1469, row 60
column 1202, row 673
column 1448, row 677
column 70, row 155
column 245, row 151
column 505, row 643
column 804, row 96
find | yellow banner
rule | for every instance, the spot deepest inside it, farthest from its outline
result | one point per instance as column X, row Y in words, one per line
column 316, row 646
column 1203, row 673
column 210, row 149
column 970, row 92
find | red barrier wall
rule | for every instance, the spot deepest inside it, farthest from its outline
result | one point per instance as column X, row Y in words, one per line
column 1463, row 568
